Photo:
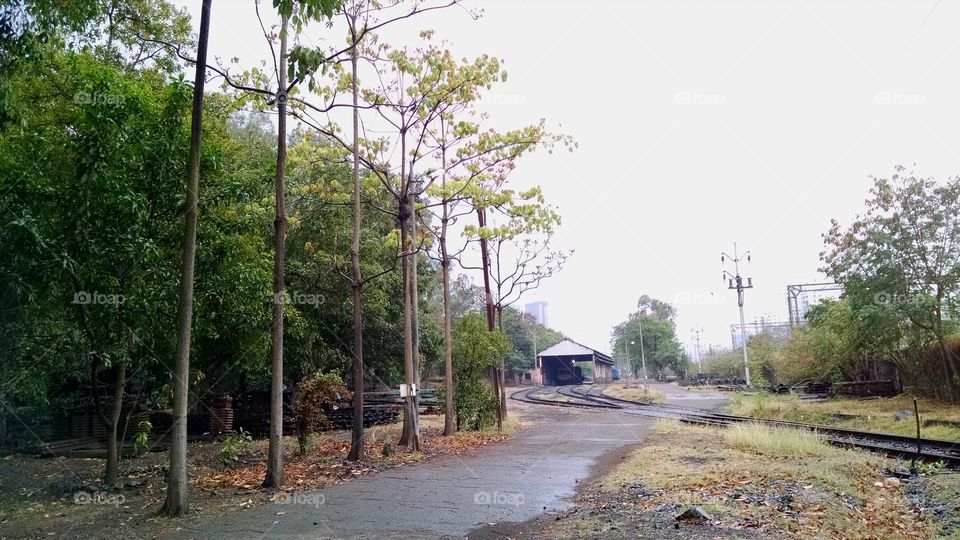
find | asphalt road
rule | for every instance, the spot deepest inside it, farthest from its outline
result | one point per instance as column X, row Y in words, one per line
column 534, row 472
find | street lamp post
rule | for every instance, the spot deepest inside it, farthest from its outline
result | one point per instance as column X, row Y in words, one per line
column 643, row 355
column 627, row 345
column 736, row 282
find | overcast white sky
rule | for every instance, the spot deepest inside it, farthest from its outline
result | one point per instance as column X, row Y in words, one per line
column 699, row 124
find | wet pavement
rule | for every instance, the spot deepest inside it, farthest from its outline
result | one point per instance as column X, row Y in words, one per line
column 535, row 471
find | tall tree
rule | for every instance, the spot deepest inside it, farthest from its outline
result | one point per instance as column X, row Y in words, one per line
column 905, row 250
column 177, row 502
column 650, row 335
column 356, row 446
column 474, row 165
column 398, row 185
column 274, row 473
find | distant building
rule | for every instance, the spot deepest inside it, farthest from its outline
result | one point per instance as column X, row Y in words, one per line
column 779, row 330
column 538, row 310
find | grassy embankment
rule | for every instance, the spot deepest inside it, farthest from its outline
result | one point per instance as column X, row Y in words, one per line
column 869, row 415
column 754, row 481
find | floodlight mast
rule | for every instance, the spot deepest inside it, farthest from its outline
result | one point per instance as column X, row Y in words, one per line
column 695, row 334
column 735, row 281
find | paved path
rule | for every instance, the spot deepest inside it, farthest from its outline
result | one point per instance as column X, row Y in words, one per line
column 535, row 471
column 677, row 395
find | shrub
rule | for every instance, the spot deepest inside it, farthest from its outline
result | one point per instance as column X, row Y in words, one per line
column 475, row 349
column 475, row 404
column 232, row 448
column 312, row 398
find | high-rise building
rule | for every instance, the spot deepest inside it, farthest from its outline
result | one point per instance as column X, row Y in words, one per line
column 538, row 310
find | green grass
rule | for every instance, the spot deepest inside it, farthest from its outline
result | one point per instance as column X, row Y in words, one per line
column 776, row 441
column 871, row 415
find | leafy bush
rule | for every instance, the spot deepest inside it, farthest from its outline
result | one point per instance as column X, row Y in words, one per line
column 232, row 448
column 312, row 398
column 475, row 349
column 475, row 405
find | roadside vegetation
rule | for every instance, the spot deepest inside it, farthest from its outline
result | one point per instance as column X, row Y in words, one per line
column 753, row 482
column 225, row 477
column 167, row 242
column 938, row 420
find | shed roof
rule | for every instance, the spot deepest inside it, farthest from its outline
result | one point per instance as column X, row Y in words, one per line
column 569, row 347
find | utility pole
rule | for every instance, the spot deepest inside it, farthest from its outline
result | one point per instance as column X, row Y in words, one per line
column 695, row 333
column 735, row 281
column 643, row 356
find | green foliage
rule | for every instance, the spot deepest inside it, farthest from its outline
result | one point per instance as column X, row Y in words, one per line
column 928, row 469
column 312, row 398
column 233, row 448
column 475, row 349
column 142, row 436
column 475, row 404
column 661, row 348
column 527, row 338
column 724, row 364
column 899, row 264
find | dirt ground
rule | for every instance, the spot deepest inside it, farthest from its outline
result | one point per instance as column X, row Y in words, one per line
column 62, row 497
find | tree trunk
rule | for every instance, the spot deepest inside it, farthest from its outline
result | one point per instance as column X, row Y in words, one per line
column 944, row 352
column 274, row 475
column 356, row 439
column 177, row 502
column 415, row 305
column 947, row 372
column 492, row 372
column 112, row 476
column 449, row 427
column 410, row 436
column 501, row 379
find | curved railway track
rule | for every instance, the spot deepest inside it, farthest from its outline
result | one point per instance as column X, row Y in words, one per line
column 591, row 397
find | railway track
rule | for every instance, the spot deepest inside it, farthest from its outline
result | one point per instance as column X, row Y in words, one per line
column 591, row 397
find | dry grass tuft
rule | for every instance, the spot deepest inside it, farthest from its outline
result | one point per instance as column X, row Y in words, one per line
column 640, row 393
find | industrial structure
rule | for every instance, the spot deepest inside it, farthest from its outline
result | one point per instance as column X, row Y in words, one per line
column 558, row 365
